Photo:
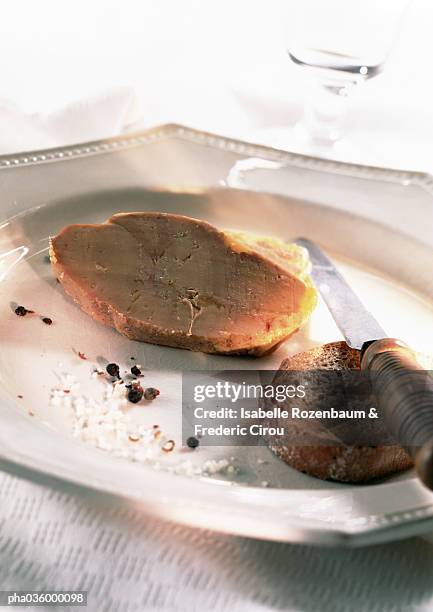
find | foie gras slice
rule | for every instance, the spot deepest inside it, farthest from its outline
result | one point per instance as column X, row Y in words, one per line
column 181, row 282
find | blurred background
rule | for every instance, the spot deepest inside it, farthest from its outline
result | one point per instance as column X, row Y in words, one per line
column 220, row 66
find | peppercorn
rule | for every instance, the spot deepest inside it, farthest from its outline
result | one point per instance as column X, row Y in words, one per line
column 47, row 320
column 192, row 442
column 150, row 393
column 135, row 394
column 21, row 311
column 113, row 370
column 135, row 370
column 168, row 446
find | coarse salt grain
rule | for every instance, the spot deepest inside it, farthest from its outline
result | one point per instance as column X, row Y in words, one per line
column 103, row 424
column 214, row 466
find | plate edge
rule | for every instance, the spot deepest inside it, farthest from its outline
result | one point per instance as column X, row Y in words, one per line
column 160, row 132
column 375, row 529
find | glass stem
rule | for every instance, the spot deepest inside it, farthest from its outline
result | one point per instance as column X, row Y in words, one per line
column 326, row 109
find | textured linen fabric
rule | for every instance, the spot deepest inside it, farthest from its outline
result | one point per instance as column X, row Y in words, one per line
column 128, row 561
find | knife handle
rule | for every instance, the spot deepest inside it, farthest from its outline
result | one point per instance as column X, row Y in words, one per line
column 404, row 393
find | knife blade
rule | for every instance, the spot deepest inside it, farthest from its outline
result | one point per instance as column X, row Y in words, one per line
column 352, row 318
column 404, row 391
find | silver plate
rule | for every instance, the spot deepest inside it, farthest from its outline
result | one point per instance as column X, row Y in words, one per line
column 375, row 222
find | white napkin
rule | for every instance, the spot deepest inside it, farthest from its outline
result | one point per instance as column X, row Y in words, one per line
column 102, row 116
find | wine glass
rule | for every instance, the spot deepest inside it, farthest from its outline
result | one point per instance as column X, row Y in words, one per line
column 338, row 44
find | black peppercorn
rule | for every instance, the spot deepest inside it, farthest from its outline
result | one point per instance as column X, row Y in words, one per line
column 47, row 320
column 135, row 394
column 135, row 370
column 21, row 311
column 150, row 393
column 113, row 370
column 192, row 442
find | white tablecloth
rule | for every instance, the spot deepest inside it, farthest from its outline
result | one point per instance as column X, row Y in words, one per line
column 219, row 66
column 128, row 561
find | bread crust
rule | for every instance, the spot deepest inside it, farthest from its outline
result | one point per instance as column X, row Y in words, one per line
column 345, row 463
column 340, row 462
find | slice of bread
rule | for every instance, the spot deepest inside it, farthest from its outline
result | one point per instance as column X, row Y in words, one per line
column 320, row 449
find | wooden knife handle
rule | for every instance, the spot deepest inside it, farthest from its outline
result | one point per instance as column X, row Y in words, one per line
column 404, row 393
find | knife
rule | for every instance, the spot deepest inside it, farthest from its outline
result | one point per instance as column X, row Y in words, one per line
column 404, row 391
